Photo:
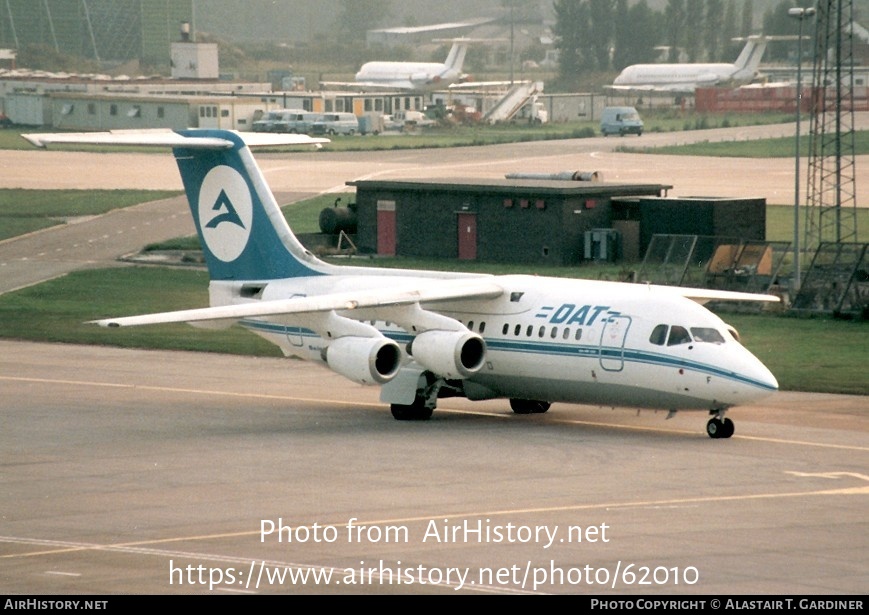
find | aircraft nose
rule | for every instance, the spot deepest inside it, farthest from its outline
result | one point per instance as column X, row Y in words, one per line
column 769, row 381
column 763, row 380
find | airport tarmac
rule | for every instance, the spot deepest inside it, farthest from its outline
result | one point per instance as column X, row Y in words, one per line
column 144, row 472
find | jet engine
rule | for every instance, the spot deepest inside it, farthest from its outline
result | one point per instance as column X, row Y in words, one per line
column 451, row 354
column 366, row 360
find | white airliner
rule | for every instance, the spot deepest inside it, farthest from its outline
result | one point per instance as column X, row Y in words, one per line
column 425, row 335
column 687, row 77
column 414, row 76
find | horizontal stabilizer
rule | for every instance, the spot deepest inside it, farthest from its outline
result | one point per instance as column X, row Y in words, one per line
column 167, row 138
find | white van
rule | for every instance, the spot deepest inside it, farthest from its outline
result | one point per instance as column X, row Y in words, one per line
column 620, row 121
column 267, row 122
column 336, row 124
column 297, row 121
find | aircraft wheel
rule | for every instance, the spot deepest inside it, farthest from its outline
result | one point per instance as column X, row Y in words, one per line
column 529, row 406
column 716, row 428
column 713, row 428
column 414, row 412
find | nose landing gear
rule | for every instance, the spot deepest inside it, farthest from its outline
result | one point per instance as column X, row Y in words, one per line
column 719, row 427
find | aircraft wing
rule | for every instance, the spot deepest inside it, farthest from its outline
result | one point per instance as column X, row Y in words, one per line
column 423, row 292
column 673, row 88
column 704, row 295
column 362, row 86
column 475, row 85
column 161, row 137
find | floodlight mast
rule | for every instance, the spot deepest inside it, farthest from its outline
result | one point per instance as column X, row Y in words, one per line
column 799, row 14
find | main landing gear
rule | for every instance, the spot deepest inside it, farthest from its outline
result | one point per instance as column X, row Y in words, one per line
column 424, row 402
column 417, row 411
column 719, row 427
column 529, row 406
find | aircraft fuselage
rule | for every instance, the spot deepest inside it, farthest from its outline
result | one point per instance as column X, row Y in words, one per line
column 590, row 342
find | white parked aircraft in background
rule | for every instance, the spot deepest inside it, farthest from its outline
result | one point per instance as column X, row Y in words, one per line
column 425, row 335
column 414, row 76
column 687, row 77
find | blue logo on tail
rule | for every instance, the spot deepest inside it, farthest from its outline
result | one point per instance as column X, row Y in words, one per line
column 230, row 215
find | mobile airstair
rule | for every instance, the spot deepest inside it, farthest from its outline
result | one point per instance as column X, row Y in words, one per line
column 517, row 96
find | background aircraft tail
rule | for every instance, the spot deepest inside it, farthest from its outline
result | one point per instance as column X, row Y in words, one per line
column 243, row 232
column 749, row 58
column 456, row 57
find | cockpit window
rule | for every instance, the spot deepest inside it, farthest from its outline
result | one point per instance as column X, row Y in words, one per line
column 707, row 334
column 678, row 335
column 659, row 335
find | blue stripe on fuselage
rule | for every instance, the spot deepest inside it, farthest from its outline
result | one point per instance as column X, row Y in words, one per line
column 562, row 349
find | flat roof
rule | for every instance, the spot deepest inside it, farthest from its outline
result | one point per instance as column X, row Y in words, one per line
column 509, row 186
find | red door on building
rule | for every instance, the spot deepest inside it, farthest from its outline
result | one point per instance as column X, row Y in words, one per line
column 386, row 228
column 467, row 236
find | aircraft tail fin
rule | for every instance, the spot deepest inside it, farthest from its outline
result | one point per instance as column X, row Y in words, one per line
column 243, row 232
column 456, row 57
column 749, row 58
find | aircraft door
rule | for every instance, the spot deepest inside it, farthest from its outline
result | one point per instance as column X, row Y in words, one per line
column 294, row 333
column 294, row 336
column 612, row 342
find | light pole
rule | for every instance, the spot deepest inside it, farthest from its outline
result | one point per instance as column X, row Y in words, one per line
column 799, row 14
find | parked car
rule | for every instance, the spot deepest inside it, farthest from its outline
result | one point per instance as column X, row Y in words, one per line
column 336, row 124
column 390, row 123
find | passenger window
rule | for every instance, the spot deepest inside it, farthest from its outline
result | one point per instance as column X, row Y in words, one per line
column 707, row 334
column 566, row 333
column 505, row 329
column 554, row 333
column 678, row 335
column 659, row 335
column 529, row 330
column 541, row 331
column 517, row 330
column 470, row 325
column 578, row 334
column 482, row 327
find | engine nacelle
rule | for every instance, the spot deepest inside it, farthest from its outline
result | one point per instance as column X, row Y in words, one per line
column 366, row 360
column 451, row 354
